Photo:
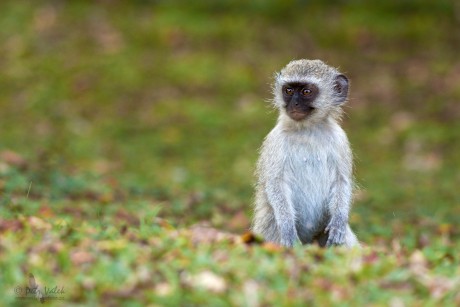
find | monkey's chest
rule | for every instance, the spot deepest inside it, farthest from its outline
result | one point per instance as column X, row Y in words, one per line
column 309, row 175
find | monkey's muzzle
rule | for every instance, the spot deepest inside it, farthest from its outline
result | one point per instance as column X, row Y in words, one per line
column 299, row 112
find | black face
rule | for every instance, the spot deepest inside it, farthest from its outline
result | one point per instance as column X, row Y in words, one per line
column 299, row 98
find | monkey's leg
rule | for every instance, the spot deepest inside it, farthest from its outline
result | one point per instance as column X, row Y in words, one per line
column 350, row 239
column 283, row 212
column 265, row 224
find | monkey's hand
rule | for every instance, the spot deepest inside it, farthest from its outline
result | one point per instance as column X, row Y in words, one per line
column 288, row 235
column 336, row 228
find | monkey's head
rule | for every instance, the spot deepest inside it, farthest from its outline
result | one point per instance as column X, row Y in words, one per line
column 309, row 90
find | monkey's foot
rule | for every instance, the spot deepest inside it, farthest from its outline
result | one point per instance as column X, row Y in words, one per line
column 336, row 234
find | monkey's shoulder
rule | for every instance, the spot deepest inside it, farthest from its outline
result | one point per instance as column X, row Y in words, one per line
column 328, row 144
column 330, row 134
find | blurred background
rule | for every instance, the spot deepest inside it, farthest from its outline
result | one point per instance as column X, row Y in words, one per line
column 169, row 100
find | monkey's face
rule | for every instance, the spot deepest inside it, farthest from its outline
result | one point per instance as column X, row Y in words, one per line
column 309, row 90
column 298, row 98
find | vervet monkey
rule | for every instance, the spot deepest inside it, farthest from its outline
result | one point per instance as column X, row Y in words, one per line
column 304, row 172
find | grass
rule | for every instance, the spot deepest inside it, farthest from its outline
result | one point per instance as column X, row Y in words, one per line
column 129, row 134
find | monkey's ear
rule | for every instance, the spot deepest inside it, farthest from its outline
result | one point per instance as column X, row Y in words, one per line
column 340, row 88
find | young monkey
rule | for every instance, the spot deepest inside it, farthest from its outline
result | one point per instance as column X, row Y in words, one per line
column 304, row 172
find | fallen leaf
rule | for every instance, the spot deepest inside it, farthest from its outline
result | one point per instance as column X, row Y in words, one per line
column 46, row 211
column 251, row 293
column 423, row 241
column 418, row 262
column 163, row 223
column 206, row 280
column 201, row 233
column 272, row 247
column 131, row 218
column 396, row 302
column 109, row 245
column 88, row 283
column 445, row 229
column 440, row 286
column 37, row 223
column 10, row 225
column 163, row 289
column 239, row 221
column 371, row 258
column 80, row 257
column 250, row 238
column 12, row 158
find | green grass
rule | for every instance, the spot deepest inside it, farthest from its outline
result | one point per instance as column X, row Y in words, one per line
column 123, row 125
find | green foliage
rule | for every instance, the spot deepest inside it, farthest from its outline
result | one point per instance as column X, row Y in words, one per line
column 123, row 123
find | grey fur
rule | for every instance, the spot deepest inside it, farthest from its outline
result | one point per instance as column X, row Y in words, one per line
column 304, row 187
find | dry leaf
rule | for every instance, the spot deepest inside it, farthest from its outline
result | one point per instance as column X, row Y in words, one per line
column 109, row 245
column 206, row 280
column 80, row 257
column 239, row 221
column 272, row 247
column 46, row 211
column 10, row 225
column 38, row 224
column 251, row 293
column 202, row 233
column 12, row 158
column 440, row 286
column 249, row 238
column 163, row 289
column 418, row 263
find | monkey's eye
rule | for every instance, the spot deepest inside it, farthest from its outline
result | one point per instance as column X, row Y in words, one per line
column 306, row 92
column 289, row 91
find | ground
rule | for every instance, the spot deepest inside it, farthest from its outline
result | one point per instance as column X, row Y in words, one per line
column 129, row 133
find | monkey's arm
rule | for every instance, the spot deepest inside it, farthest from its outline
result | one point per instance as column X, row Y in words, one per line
column 271, row 168
column 283, row 211
column 340, row 200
